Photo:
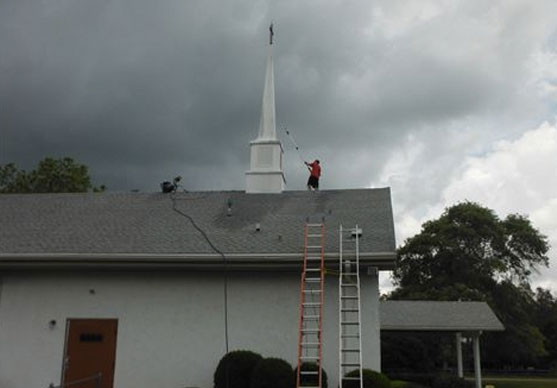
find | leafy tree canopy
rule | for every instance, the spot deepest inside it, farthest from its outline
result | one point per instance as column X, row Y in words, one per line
column 471, row 247
column 62, row 175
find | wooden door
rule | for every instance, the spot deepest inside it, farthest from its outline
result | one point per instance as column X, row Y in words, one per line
column 90, row 353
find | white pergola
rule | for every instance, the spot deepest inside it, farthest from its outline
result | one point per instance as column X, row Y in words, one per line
column 462, row 318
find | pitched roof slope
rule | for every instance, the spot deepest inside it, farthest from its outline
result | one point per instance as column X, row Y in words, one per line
column 437, row 316
column 114, row 223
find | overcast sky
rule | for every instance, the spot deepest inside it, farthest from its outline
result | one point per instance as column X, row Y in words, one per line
column 440, row 100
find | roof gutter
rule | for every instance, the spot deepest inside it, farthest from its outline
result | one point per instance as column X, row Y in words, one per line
column 462, row 329
column 235, row 261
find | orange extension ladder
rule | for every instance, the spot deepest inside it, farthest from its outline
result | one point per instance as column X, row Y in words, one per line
column 310, row 343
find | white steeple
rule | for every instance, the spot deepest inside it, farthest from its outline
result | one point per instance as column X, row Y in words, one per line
column 265, row 174
column 267, row 126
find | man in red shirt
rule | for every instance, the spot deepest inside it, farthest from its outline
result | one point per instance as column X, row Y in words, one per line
column 315, row 172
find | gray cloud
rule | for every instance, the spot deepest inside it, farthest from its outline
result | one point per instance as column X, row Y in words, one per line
column 147, row 88
column 383, row 93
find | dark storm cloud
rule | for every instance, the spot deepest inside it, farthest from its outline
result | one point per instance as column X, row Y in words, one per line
column 385, row 93
column 141, row 91
column 132, row 85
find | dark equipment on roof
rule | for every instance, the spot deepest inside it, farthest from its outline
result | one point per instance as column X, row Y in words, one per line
column 168, row 187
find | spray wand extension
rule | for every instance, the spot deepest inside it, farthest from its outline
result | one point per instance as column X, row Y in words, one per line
column 295, row 145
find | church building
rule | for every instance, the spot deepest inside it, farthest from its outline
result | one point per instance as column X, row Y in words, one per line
column 152, row 289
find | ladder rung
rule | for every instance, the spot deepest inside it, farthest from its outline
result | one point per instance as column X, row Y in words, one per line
column 315, row 235
column 352, row 378
column 310, row 330
column 350, row 336
column 349, row 285
column 310, row 344
column 313, row 225
column 350, row 350
column 312, row 317
column 349, row 310
column 310, row 357
column 349, row 323
column 309, row 372
column 313, row 280
column 350, row 364
column 312, row 291
column 313, row 269
column 349, row 297
column 311, row 304
column 349, row 273
column 314, row 246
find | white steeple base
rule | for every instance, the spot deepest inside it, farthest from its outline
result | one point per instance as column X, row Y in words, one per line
column 265, row 174
column 264, row 183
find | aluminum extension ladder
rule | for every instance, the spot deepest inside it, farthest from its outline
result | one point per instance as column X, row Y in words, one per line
column 310, row 341
column 349, row 314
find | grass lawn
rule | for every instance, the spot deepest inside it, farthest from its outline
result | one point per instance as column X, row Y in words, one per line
column 505, row 382
column 520, row 382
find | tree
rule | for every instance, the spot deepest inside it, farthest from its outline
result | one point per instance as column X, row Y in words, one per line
column 470, row 245
column 62, row 175
column 546, row 320
column 471, row 254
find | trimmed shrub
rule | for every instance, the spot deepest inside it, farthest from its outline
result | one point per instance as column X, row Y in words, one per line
column 236, row 367
column 372, row 379
column 272, row 373
column 311, row 380
column 414, row 385
column 450, row 381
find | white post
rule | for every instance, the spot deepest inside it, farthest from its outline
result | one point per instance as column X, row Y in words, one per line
column 459, row 354
column 477, row 362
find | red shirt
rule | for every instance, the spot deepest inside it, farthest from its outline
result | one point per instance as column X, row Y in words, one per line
column 315, row 169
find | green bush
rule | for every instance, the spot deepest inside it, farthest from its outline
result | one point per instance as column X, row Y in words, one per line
column 311, row 380
column 272, row 373
column 414, row 385
column 236, row 367
column 372, row 379
column 450, row 381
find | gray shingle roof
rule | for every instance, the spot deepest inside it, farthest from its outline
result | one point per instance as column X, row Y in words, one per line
column 437, row 316
column 120, row 223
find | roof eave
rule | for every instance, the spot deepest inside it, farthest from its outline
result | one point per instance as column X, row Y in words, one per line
column 235, row 261
column 462, row 329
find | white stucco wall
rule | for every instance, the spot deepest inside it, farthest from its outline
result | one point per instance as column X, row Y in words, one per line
column 170, row 325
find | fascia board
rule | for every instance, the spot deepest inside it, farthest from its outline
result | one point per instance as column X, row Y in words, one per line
column 263, row 261
column 442, row 328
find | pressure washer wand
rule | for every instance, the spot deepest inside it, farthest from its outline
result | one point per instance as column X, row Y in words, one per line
column 295, row 145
